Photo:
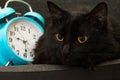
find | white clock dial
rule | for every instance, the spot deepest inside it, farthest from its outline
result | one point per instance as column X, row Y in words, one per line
column 22, row 36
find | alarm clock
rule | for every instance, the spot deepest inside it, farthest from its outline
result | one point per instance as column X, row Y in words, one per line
column 18, row 35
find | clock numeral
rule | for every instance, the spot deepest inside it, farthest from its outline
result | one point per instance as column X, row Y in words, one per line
column 16, row 28
column 25, row 55
column 12, row 33
column 10, row 39
column 22, row 28
column 31, row 54
column 13, row 47
column 18, row 52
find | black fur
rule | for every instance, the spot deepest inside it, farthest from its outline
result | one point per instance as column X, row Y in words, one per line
column 103, row 38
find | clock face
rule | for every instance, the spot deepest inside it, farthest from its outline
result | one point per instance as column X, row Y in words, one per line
column 22, row 37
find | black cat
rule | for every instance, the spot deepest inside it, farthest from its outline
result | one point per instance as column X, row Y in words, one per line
column 78, row 39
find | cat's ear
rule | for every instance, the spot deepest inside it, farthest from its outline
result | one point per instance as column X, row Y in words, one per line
column 54, row 10
column 99, row 12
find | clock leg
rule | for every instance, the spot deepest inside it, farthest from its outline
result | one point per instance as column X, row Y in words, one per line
column 9, row 63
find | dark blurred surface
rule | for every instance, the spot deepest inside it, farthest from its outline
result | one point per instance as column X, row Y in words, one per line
column 111, row 72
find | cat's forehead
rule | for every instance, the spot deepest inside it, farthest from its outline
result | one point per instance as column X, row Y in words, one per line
column 72, row 24
column 78, row 21
column 79, row 24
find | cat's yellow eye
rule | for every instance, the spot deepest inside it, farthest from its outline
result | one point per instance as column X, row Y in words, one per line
column 82, row 39
column 59, row 37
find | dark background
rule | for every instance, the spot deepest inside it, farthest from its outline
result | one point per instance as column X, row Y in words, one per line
column 110, row 72
column 40, row 6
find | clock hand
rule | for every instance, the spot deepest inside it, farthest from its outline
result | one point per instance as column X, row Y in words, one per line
column 26, row 46
column 23, row 38
column 24, row 41
column 21, row 35
column 31, row 52
column 27, row 42
column 26, row 49
column 19, row 38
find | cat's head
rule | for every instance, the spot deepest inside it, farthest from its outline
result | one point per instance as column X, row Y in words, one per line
column 71, row 34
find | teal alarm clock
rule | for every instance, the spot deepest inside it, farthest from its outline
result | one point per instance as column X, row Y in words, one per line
column 18, row 35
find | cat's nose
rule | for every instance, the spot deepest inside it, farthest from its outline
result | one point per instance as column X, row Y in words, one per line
column 66, row 48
